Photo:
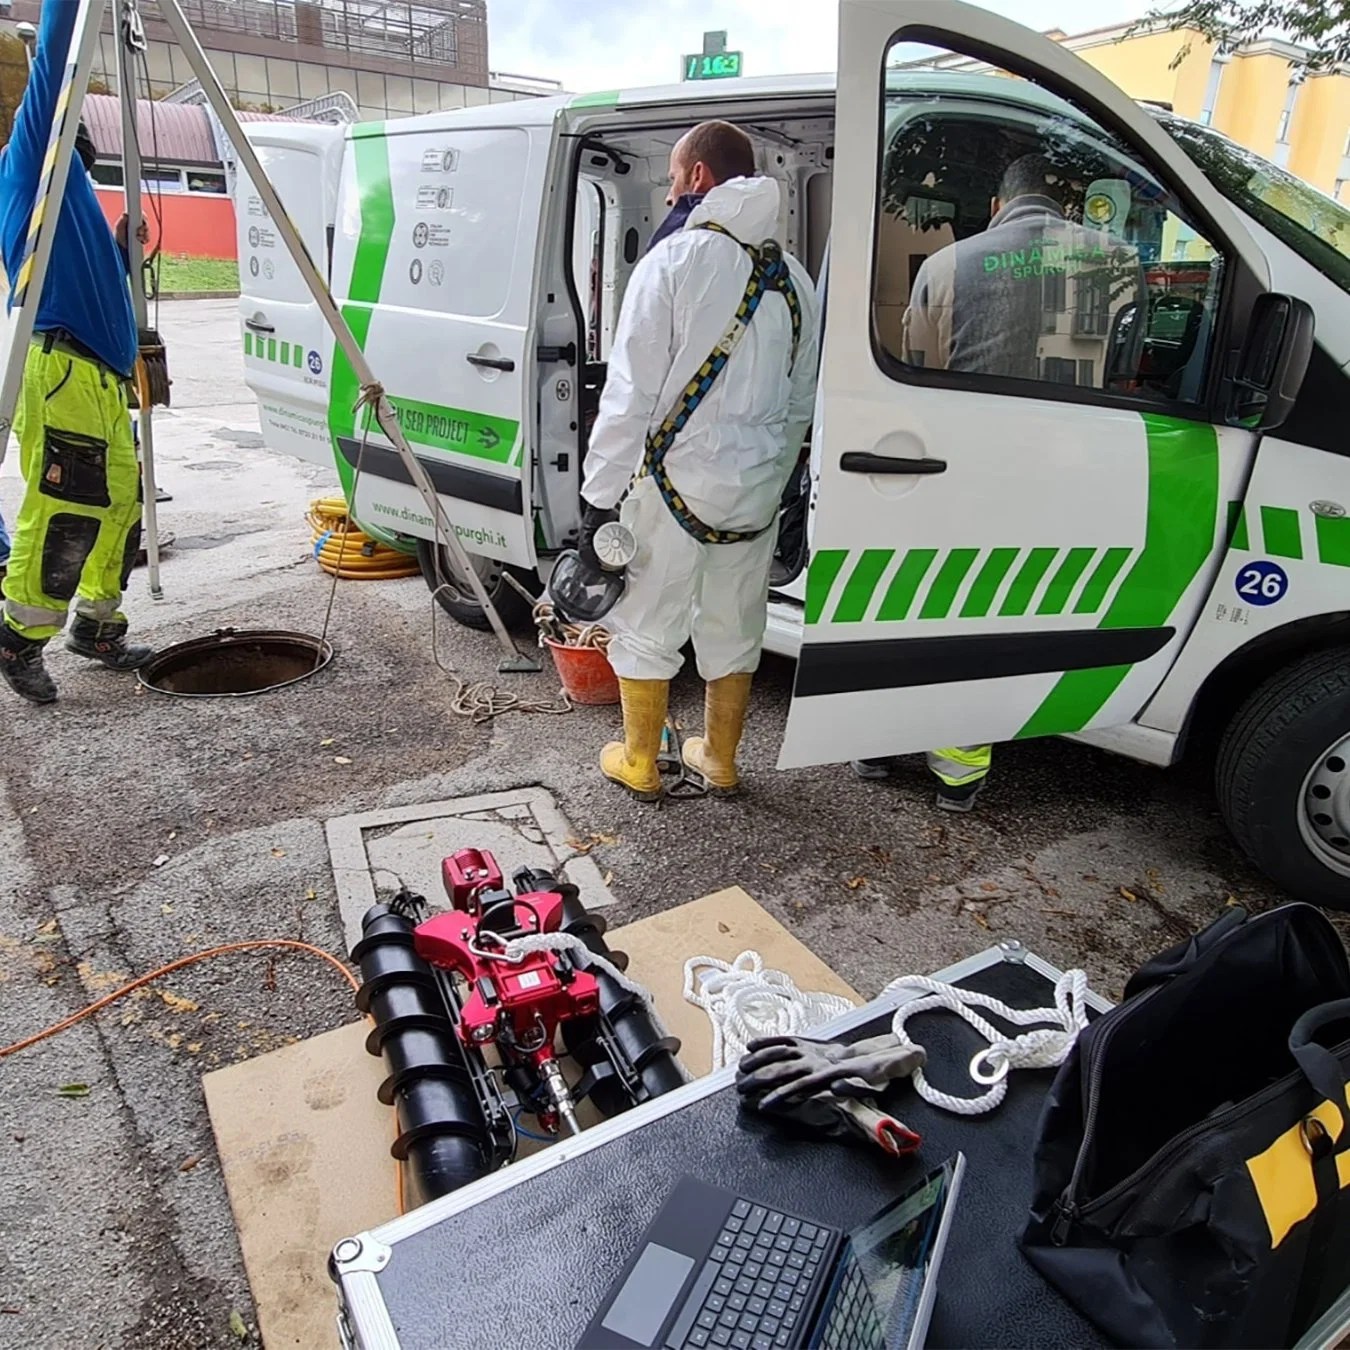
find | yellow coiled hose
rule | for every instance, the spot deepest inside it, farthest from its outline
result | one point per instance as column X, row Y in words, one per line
column 343, row 549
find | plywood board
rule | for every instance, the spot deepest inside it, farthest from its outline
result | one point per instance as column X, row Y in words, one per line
column 304, row 1143
column 304, row 1146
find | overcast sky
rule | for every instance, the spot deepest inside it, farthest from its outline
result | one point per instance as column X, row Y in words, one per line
column 609, row 44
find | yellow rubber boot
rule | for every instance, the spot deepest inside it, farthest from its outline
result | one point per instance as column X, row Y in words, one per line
column 632, row 762
column 714, row 753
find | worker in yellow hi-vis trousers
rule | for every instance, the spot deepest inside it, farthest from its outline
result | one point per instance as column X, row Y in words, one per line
column 961, row 771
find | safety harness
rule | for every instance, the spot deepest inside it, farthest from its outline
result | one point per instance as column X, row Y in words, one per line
column 768, row 272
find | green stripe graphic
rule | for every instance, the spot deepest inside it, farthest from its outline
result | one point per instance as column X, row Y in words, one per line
column 987, row 581
column 465, row 432
column 905, row 584
column 1065, row 579
column 1100, row 581
column 948, row 581
column 371, row 155
column 608, row 98
column 344, row 389
column 820, row 577
column 1237, row 525
column 866, row 568
column 285, row 353
column 1183, row 510
column 1333, row 540
column 861, row 583
column 1279, row 529
column 271, row 349
column 297, row 352
column 1028, row 577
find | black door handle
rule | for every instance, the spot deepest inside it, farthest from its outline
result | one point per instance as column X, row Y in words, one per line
column 863, row 461
column 259, row 326
column 490, row 362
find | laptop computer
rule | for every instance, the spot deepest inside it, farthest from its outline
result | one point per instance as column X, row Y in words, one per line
column 722, row 1271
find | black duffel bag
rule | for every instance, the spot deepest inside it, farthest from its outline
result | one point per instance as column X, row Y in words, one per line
column 1193, row 1148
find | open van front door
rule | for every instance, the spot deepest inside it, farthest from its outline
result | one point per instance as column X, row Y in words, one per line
column 284, row 336
column 434, row 266
column 1025, row 473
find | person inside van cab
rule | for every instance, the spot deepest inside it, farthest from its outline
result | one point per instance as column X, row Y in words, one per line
column 1032, row 297
column 701, row 421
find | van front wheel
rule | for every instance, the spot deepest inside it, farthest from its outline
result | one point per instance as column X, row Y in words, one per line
column 456, row 597
column 1283, row 778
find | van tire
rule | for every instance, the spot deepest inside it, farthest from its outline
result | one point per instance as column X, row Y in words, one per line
column 461, row 604
column 1280, row 740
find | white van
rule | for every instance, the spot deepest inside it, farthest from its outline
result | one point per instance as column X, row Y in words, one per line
column 1120, row 547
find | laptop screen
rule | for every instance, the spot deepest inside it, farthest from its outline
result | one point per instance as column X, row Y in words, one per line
column 893, row 1259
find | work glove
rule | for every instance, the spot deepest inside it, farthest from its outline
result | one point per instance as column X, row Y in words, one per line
column 591, row 520
column 828, row 1088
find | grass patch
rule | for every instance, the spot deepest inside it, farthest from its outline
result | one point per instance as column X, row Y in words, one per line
column 198, row 274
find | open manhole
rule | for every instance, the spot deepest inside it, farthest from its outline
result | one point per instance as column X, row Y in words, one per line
column 233, row 664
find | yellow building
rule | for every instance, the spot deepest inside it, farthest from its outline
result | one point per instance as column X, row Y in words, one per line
column 1262, row 95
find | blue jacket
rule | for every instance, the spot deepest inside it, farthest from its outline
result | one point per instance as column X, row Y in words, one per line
column 677, row 219
column 86, row 290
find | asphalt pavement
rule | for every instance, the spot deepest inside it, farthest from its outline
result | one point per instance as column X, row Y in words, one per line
column 135, row 829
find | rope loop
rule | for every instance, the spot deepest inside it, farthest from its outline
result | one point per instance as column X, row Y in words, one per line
column 1042, row 1047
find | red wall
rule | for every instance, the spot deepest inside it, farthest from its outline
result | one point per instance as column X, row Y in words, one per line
column 200, row 226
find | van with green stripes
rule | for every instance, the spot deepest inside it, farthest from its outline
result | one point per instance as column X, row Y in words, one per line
column 1111, row 503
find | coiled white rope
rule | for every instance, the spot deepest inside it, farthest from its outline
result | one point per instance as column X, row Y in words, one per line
column 743, row 1001
column 1044, row 1048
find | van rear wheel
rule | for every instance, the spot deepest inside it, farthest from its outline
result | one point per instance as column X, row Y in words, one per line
column 456, row 597
column 1283, row 778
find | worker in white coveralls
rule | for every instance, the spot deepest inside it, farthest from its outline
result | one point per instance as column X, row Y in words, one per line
column 708, row 399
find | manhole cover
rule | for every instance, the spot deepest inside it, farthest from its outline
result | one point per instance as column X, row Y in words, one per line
column 232, row 664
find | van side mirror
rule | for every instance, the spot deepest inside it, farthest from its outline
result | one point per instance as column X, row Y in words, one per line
column 1272, row 363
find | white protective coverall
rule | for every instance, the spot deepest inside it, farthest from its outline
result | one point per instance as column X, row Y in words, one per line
column 731, row 461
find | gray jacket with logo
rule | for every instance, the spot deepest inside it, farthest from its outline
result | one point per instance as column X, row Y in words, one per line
column 1033, row 297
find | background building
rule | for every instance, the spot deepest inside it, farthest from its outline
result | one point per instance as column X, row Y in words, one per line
column 392, row 58
column 1262, row 94
column 332, row 60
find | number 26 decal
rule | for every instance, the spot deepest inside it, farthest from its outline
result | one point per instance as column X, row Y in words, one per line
column 1262, row 583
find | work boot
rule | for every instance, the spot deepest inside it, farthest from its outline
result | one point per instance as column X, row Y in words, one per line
column 871, row 770
column 958, row 799
column 632, row 762
column 714, row 753
column 106, row 641
column 22, row 666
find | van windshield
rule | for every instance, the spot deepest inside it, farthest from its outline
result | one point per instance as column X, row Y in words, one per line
column 1314, row 225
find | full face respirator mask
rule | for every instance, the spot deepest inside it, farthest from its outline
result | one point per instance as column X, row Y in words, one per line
column 582, row 592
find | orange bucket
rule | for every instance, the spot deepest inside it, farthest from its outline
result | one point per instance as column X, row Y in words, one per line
column 585, row 673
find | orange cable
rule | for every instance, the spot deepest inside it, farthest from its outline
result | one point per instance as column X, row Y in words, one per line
column 66, row 1023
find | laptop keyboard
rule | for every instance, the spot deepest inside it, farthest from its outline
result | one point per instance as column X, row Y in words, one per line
column 751, row 1292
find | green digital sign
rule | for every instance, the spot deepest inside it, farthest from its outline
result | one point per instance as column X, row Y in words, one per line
column 712, row 66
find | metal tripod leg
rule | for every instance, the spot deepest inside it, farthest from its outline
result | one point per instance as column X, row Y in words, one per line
column 171, row 12
column 130, row 37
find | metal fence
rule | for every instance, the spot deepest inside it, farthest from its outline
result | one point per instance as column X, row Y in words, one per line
column 444, row 32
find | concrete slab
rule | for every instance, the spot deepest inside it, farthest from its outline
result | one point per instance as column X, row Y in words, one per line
column 374, row 853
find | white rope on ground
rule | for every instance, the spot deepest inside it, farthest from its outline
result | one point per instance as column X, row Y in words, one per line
column 744, row 1001
column 1044, row 1048
column 481, row 700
